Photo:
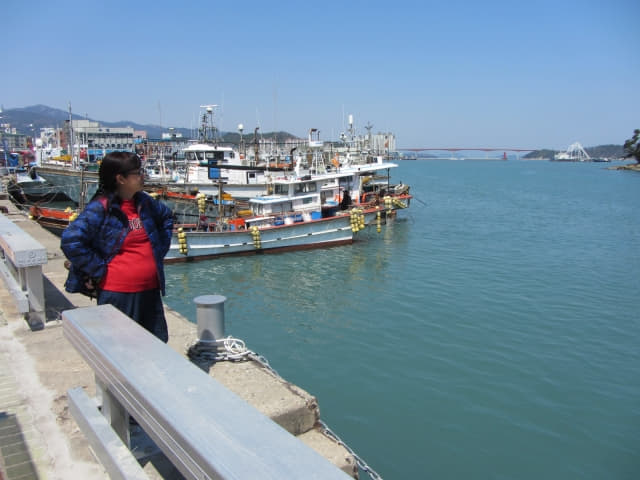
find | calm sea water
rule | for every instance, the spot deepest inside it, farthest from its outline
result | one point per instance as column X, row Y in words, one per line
column 492, row 332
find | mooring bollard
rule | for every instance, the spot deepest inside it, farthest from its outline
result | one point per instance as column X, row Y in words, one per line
column 210, row 318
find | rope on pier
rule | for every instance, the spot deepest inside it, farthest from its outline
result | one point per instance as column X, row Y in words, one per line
column 228, row 348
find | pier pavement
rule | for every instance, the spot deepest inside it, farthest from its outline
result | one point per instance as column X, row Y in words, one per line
column 38, row 437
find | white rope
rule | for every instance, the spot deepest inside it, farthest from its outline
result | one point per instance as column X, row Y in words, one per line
column 228, row 348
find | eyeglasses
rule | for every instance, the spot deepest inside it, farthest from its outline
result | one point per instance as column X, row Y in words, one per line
column 135, row 171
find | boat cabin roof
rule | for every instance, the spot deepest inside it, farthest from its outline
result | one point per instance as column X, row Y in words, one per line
column 343, row 172
column 275, row 199
column 206, row 147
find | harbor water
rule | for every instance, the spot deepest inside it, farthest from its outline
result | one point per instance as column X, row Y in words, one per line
column 492, row 331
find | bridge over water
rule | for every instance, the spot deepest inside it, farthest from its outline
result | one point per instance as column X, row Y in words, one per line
column 455, row 152
column 459, row 149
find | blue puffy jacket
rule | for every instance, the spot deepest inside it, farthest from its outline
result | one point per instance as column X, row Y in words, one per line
column 94, row 238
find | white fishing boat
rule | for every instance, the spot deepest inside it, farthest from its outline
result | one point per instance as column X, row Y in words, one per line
column 25, row 183
column 209, row 165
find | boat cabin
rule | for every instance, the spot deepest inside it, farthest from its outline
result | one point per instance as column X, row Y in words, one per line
column 207, row 162
column 295, row 200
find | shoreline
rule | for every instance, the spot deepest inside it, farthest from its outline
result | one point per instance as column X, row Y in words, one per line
column 634, row 167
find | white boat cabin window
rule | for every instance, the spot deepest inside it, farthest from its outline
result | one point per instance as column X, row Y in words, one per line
column 281, row 189
column 305, row 187
column 271, row 209
column 282, row 207
column 200, row 156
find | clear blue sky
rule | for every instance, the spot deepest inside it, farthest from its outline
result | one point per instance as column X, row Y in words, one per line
column 530, row 74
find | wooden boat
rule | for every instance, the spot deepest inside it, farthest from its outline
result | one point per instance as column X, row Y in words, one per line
column 55, row 218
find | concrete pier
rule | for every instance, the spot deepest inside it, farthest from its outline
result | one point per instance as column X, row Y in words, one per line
column 38, row 437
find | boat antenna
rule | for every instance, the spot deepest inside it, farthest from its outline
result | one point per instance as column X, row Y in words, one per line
column 207, row 129
column 256, row 146
column 368, row 128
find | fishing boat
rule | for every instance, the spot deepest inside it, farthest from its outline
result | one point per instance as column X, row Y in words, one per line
column 23, row 182
column 311, row 208
column 208, row 166
column 52, row 218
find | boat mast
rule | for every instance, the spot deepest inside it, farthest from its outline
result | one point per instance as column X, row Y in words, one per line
column 208, row 136
column 256, row 147
column 71, row 147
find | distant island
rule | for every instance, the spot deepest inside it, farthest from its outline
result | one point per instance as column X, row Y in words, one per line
column 601, row 151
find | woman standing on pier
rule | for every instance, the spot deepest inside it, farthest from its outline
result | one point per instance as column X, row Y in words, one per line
column 117, row 244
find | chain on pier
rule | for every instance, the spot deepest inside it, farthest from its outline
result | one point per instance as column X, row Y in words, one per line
column 361, row 463
column 233, row 349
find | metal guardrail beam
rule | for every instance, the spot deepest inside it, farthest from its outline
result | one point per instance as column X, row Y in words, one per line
column 206, row 430
column 117, row 459
column 23, row 257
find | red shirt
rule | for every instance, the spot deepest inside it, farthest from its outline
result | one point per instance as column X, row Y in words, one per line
column 133, row 269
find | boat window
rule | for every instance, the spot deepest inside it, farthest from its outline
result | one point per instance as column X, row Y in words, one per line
column 280, row 189
column 283, row 207
column 345, row 182
column 305, row 187
column 210, row 155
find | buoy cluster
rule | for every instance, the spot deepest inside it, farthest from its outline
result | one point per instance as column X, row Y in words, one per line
column 255, row 233
column 378, row 220
column 399, row 203
column 182, row 241
column 201, row 198
column 357, row 220
column 74, row 213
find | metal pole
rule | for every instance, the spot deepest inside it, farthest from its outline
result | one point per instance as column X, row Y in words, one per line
column 210, row 317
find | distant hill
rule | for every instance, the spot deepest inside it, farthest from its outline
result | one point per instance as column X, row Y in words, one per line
column 29, row 121
column 605, row 151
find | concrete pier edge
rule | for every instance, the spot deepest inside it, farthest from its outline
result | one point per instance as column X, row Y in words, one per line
column 38, row 437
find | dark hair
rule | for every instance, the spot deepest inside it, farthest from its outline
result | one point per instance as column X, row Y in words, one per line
column 115, row 163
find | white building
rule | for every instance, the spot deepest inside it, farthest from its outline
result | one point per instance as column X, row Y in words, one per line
column 95, row 140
